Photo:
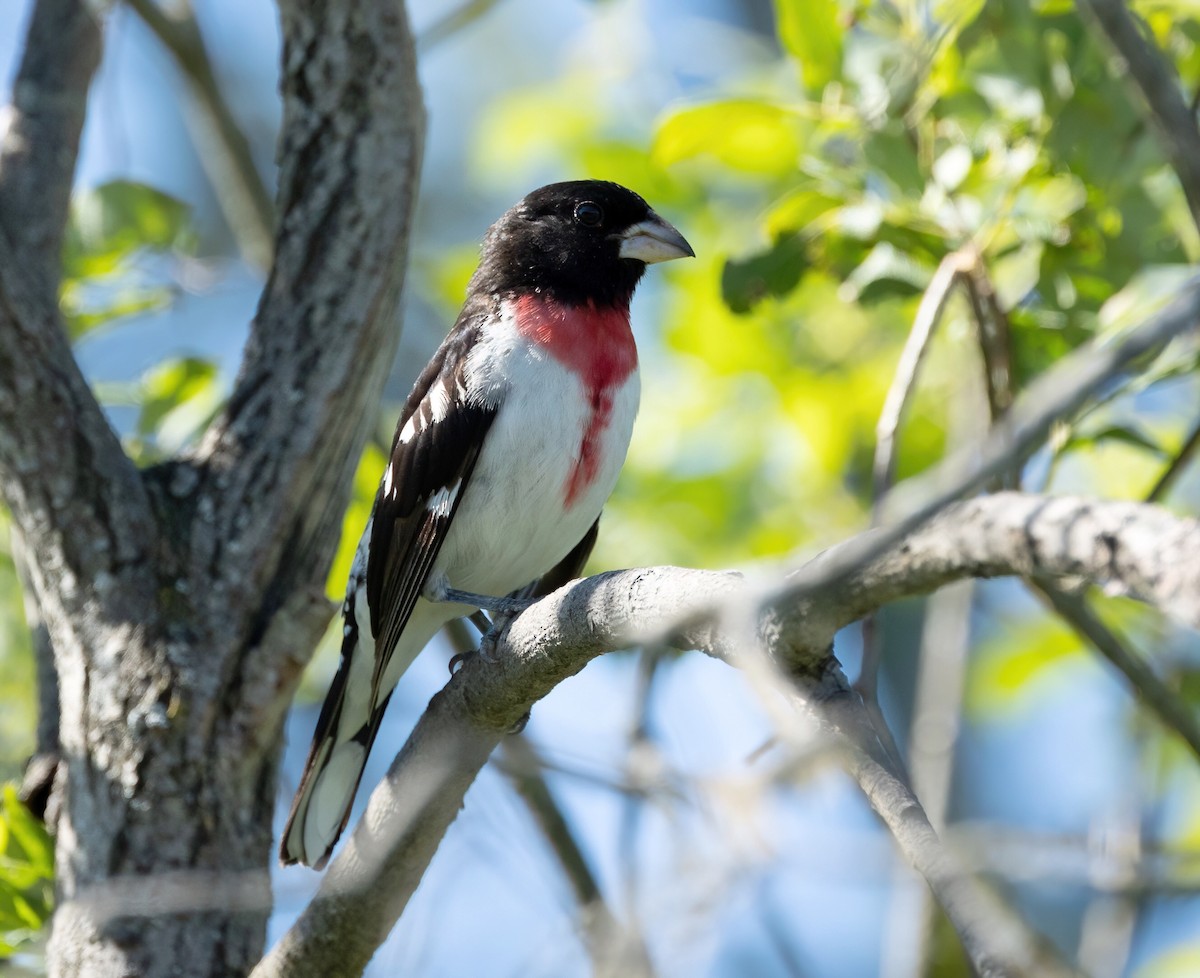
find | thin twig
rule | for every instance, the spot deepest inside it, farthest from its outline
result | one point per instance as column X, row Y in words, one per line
column 997, row 941
column 883, row 469
column 1180, row 462
column 1159, row 87
column 614, row 949
column 1171, row 711
column 223, row 149
column 456, row 20
column 995, row 337
column 929, row 314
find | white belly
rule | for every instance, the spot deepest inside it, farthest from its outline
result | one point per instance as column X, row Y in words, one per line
column 513, row 524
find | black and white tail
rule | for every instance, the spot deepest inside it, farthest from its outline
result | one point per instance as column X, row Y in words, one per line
column 344, row 735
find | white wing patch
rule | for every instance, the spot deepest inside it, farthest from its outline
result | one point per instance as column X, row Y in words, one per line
column 409, row 429
column 439, row 401
column 440, row 502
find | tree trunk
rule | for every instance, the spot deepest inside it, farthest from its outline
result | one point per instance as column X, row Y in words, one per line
column 183, row 602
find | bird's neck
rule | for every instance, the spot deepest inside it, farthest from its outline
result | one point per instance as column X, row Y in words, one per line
column 593, row 341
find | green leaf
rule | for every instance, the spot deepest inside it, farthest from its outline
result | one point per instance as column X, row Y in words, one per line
column 26, row 873
column 1024, row 656
column 35, row 845
column 111, row 221
column 887, row 272
column 809, row 31
column 774, row 272
column 796, row 210
column 1125, row 434
column 743, row 134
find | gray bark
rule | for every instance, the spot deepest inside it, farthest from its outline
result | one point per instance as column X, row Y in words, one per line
column 182, row 602
column 1134, row 549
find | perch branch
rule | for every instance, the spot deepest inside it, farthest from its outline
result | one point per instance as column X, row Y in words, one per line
column 1138, row 549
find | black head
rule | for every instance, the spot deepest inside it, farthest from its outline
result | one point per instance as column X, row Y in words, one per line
column 585, row 240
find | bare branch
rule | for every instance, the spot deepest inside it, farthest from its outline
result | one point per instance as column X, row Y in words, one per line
column 904, row 381
column 1058, row 393
column 1171, row 711
column 77, row 499
column 1180, row 462
column 39, row 139
column 224, row 151
column 1139, row 549
column 452, row 22
column 883, row 472
column 996, row 941
column 1159, row 87
column 80, row 503
column 613, row 950
column 275, row 468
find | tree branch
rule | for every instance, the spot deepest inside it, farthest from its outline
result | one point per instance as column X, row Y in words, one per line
column 224, row 151
column 1170, row 710
column 1058, row 393
column 275, row 468
column 1138, row 549
column 41, row 140
column 80, row 504
column 1160, row 88
column 1176, row 467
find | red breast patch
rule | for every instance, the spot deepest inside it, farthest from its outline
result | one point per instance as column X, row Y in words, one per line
column 596, row 344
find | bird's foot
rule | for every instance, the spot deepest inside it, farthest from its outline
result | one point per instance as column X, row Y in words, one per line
column 489, row 641
column 489, row 634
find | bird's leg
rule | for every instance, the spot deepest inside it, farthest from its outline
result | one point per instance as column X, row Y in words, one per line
column 440, row 590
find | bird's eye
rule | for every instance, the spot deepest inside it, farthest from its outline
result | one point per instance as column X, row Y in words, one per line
column 589, row 213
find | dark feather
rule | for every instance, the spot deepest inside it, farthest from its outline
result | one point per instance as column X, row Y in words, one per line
column 437, row 459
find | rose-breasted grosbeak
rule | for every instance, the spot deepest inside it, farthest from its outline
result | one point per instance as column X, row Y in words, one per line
column 504, row 455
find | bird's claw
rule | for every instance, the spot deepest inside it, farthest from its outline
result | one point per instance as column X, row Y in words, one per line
column 487, row 646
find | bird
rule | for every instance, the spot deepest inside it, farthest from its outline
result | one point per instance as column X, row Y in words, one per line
column 505, row 452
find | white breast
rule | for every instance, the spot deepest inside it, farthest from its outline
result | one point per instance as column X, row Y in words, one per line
column 513, row 524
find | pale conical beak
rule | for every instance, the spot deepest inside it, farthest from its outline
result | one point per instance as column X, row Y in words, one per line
column 654, row 240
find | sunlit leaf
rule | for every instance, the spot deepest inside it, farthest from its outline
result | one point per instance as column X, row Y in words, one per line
column 1126, row 434
column 743, row 134
column 809, row 31
column 26, row 873
column 747, row 281
column 1024, row 657
column 366, row 481
column 113, row 220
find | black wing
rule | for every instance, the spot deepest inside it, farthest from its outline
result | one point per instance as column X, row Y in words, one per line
column 437, row 443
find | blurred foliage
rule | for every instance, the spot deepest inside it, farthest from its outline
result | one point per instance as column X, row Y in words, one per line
column 820, row 188
column 26, row 874
column 820, row 194
column 111, row 228
column 122, row 244
column 17, row 707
